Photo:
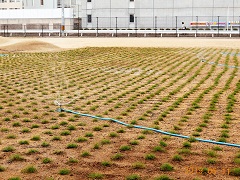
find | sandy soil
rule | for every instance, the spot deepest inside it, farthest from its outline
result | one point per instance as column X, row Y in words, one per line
column 53, row 44
column 113, row 80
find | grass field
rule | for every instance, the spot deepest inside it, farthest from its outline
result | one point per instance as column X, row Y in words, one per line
column 165, row 88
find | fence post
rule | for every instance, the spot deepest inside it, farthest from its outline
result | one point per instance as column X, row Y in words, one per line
column 7, row 30
column 4, row 30
column 155, row 28
column 60, row 30
column 42, row 30
column 239, row 27
column 116, row 25
column 218, row 26
column 176, row 26
column 78, row 26
column 196, row 26
column 25, row 33
column 97, row 26
column 136, row 26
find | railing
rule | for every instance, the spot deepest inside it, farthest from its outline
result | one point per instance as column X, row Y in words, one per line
column 177, row 26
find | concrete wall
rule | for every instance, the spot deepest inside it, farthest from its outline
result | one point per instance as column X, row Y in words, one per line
column 49, row 4
column 157, row 13
column 17, row 4
column 35, row 18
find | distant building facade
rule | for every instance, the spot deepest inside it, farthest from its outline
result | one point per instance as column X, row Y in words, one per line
column 11, row 4
column 156, row 13
column 123, row 14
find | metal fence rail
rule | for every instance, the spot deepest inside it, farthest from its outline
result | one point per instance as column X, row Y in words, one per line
column 178, row 26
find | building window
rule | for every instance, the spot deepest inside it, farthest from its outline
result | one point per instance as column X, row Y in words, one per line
column 131, row 20
column 89, row 0
column 89, row 18
column 41, row 2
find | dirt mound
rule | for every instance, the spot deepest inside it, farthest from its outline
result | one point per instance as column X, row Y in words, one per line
column 29, row 46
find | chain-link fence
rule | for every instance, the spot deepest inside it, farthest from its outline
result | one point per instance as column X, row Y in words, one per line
column 196, row 26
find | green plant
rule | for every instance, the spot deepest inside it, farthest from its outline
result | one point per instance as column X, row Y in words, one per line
column 16, row 157
column 184, row 151
column 34, row 126
column 23, row 142
column 55, row 127
column 25, row 130
column 113, row 134
column 63, row 123
column 235, row 172
column 150, row 157
column 85, row 154
column 58, row 152
column 29, row 169
column 4, row 130
column 141, row 137
column 186, row 144
column 133, row 177
column 64, row 171
column 106, row 163
column 89, row 135
column 45, row 144
column 121, row 131
column 11, row 136
column 65, row 133
column 35, row 138
column 158, row 149
column 72, row 160
column 46, row 160
column 96, row 146
column 177, row 157
column 117, row 156
column 95, row 176
column 2, row 168
column 72, row 145
column 16, row 124
column 134, row 142
column 97, row 128
column 15, row 178
column 81, row 139
column 163, row 144
column 211, row 153
column 211, row 161
column 125, row 148
column 71, row 128
column 166, row 167
column 217, row 148
column 138, row 165
column 162, row 177
column 105, row 141
column 56, row 138
column 192, row 139
column 62, row 115
column 32, row 151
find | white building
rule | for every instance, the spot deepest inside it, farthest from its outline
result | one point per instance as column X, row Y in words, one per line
column 156, row 13
column 10, row 4
column 121, row 14
column 38, row 14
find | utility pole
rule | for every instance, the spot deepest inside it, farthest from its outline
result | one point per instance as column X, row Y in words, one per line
column 63, row 20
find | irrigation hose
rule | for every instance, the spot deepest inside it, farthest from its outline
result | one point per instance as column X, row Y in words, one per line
column 224, row 65
column 147, row 128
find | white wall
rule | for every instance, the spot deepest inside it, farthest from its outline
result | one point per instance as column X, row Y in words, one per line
column 166, row 11
column 35, row 13
column 13, row 5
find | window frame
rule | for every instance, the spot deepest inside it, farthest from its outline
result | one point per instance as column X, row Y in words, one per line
column 131, row 18
column 89, row 18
